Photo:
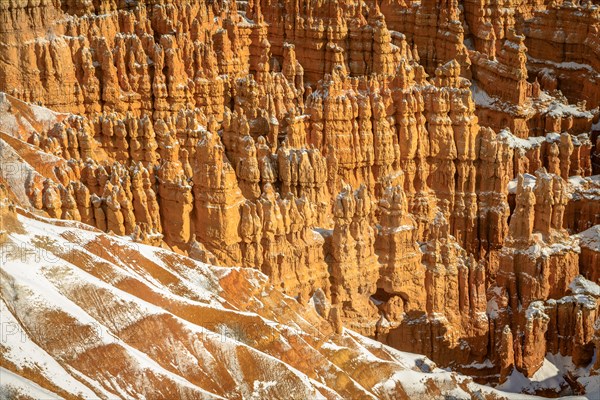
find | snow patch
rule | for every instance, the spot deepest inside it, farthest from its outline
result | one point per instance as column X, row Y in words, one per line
column 580, row 285
column 528, row 181
column 548, row 377
column 15, row 386
column 481, row 97
column 590, row 238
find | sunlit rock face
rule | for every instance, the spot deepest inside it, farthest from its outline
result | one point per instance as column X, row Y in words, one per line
column 419, row 172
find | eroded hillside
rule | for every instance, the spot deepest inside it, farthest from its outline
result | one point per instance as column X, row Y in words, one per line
column 427, row 168
column 89, row 315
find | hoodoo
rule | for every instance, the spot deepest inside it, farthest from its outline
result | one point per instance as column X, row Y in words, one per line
column 302, row 199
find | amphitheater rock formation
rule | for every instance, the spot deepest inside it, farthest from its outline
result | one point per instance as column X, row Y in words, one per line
column 424, row 173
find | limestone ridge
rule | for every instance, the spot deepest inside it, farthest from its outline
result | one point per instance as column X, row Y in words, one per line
column 424, row 166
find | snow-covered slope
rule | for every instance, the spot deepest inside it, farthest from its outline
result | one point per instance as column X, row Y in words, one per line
column 88, row 315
